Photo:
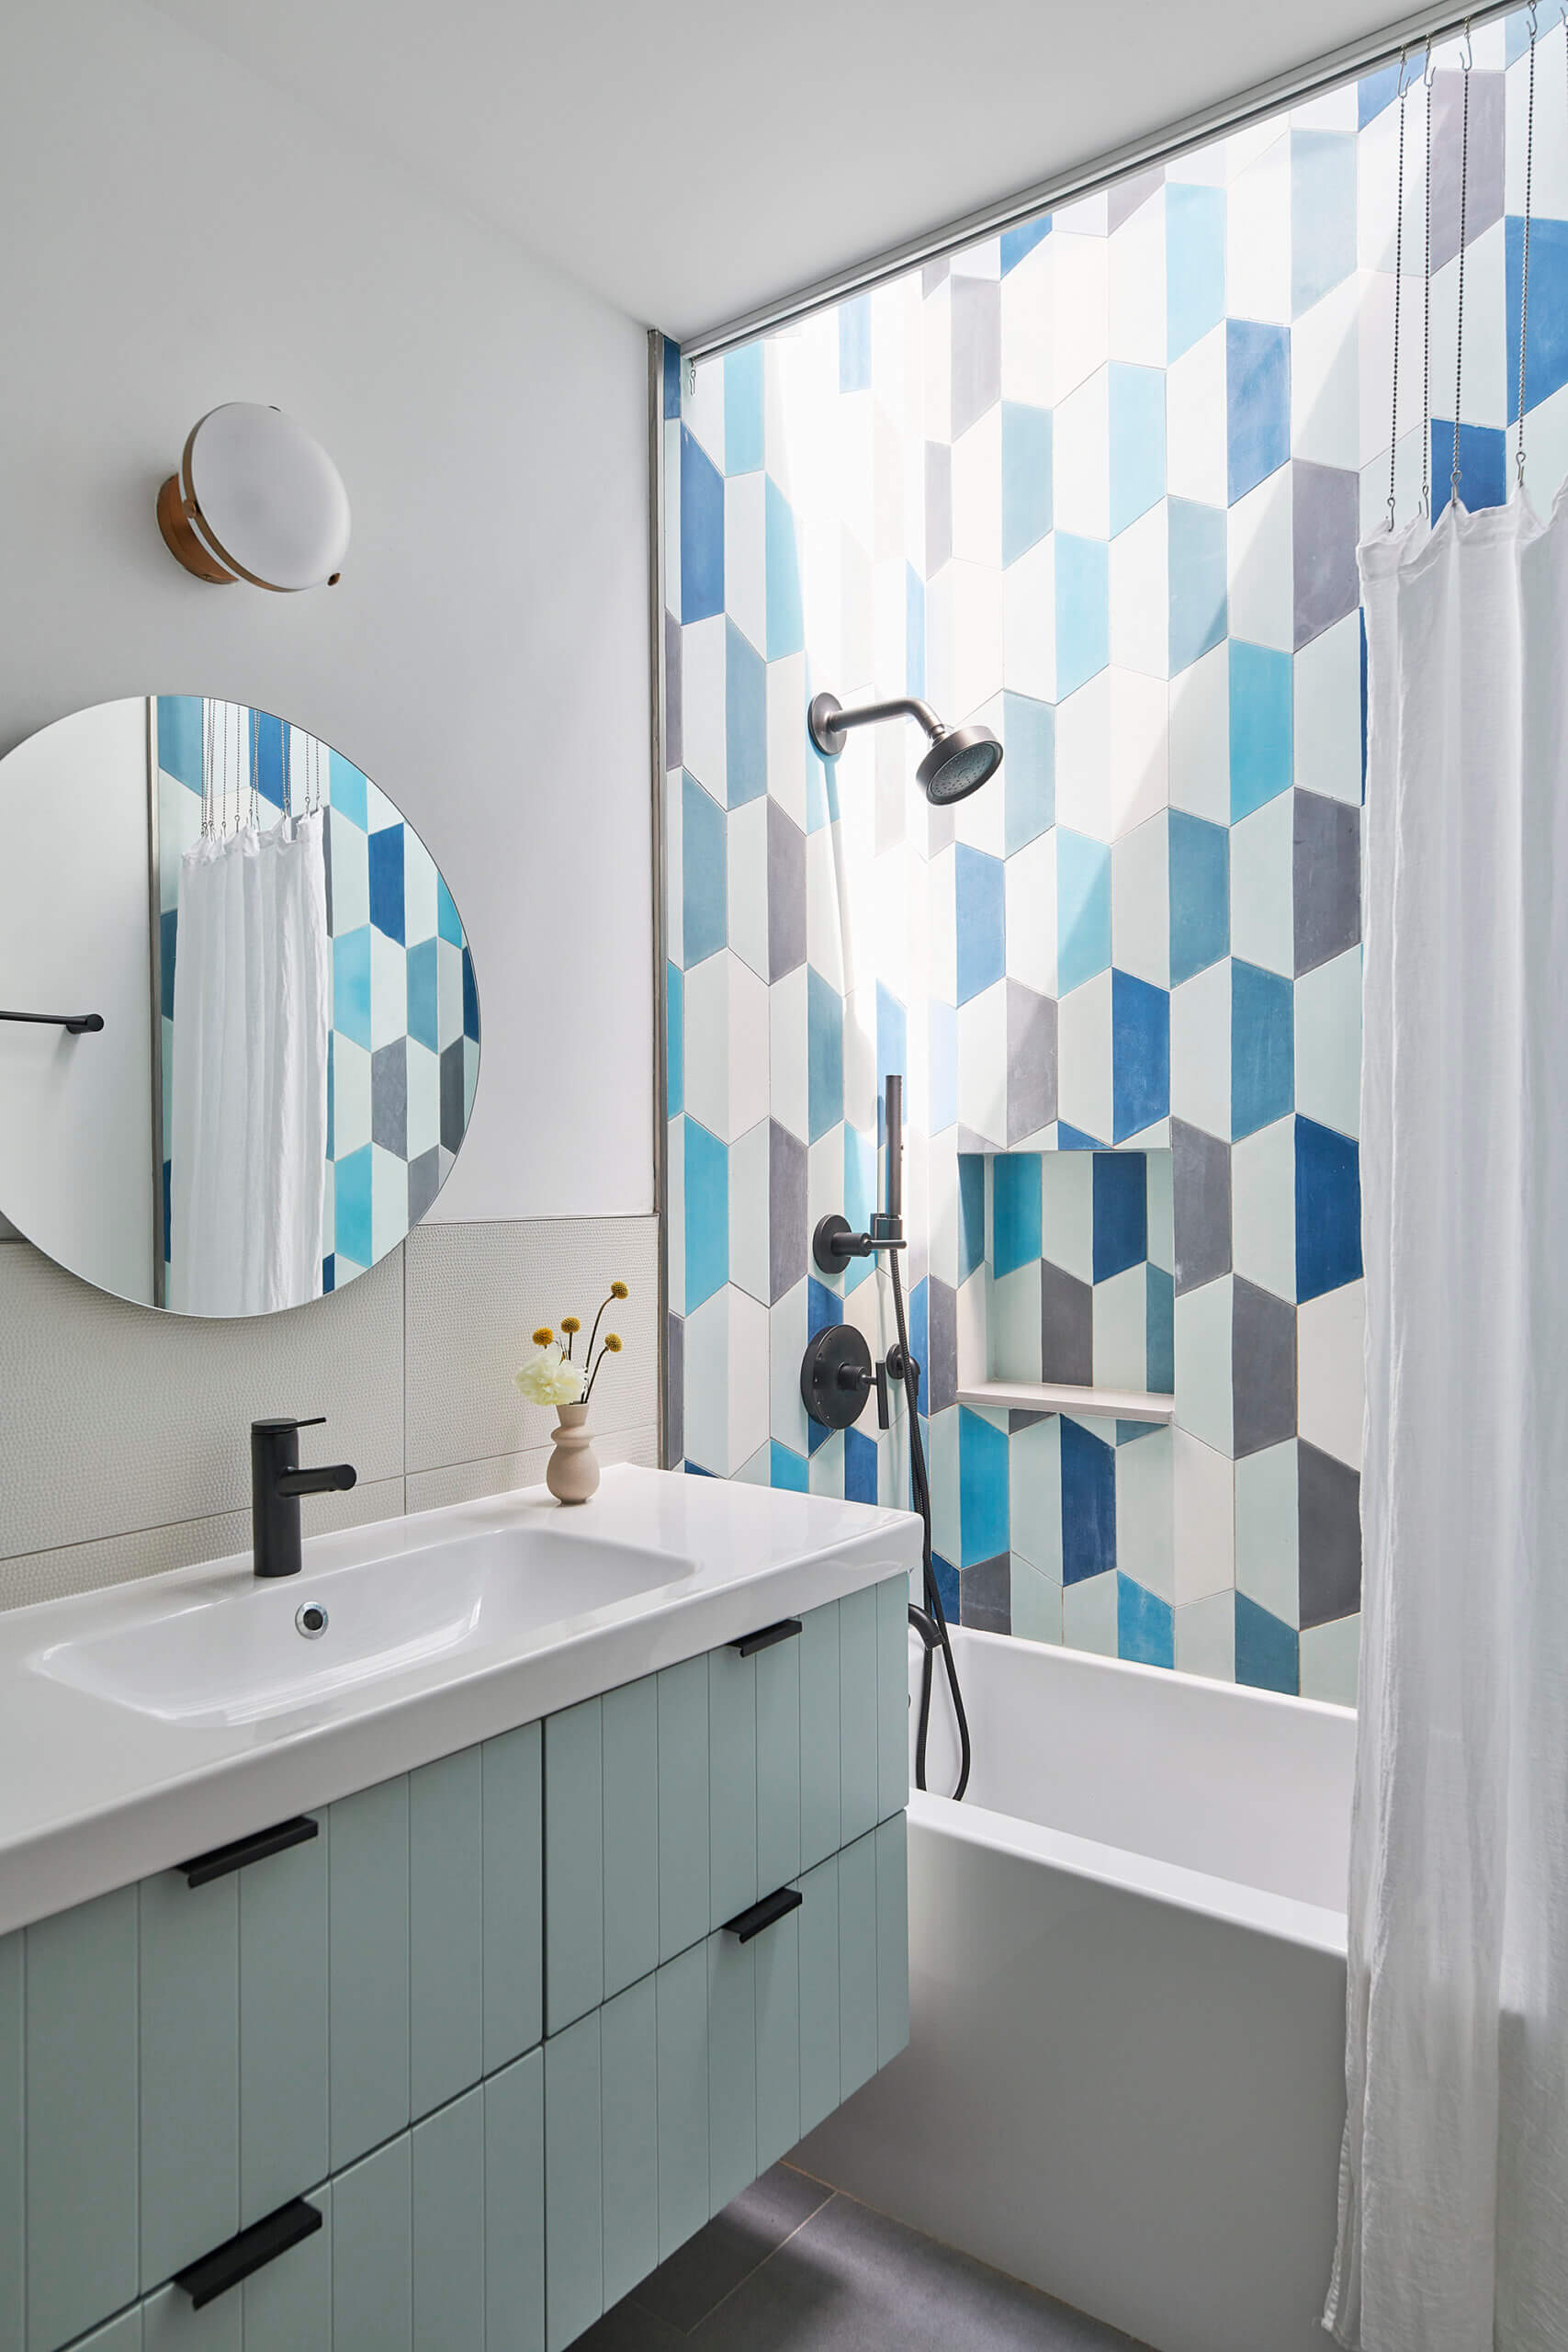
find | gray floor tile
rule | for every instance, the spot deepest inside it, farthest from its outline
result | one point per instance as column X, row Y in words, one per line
column 697, row 2275
column 628, row 2328
column 850, row 2280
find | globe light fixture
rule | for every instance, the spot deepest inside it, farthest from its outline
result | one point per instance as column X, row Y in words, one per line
column 255, row 498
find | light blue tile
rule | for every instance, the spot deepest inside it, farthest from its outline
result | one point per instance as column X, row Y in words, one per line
column 1546, row 352
column 860, row 1196
column 352, row 1198
column 346, row 791
column 745, row 718
column 1028, row 772
column 743, row 410
column 1199, row 895
column 981, row 921
column 1017, row 242
column 825, row 1053
column 1140, row 1055
column 855, row 343
column 1083, row 907
column 1323, row 214
column 1262, row 1048
column 1026, row 477
column 1146, row 1626
column 1260, row 726
column 705, row 911
column 1083, row 611
column 1198, row 600
column 788, row 1469
column 702, row 534
column 674, row 1039
column 1194, row 265
column 1258, row 403
column 1136, row 403
column 983, row 1486
column 786, row 624
column 1015, row 1210
column 707, row 1213
column 351, row 985
column 180, row 738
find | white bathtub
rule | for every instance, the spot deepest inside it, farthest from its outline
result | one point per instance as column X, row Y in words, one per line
column 1125, row 2074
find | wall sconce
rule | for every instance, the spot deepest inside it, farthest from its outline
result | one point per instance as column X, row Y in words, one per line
column 255, row 499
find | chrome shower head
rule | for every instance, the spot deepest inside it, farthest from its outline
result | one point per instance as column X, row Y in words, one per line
column 960, row 758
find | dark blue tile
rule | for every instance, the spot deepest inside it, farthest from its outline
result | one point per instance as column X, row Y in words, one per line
column 671, row 381
column 1200, row 894
column 981, row 920
column 1200, row 602
column 1015, row 1210
column 329, row 1275
column 1546, row 349
column 1482, row 458
column 705, row 909
column 168, row 948
column 1088, row 1504
column 971, row 1213
column 786, row 620
column 1017, row 242
column 1328, row 1210
column 824, row 1054
column 674, row 1040
column 1263, row 1051
column 1140, row 1055
column 947, row 1586
column 1146, row 1626
column 1026, row 478
column 266, row 746
column 1258, row 403
column 168, row 1210
column 702, row 532
column 696, row 1470
column 788, row 1469
column 859, row 1468
column 1075, row 1139
column 982, row 1488
column 1262, row 747
column 179, row 738
column 855, row 343
column 387, row 881
column 1028, row 772
column 823, row 1307
column 1267, row 1649
column 707, row 1214
column 470, row 996
column 1159, row 1332
column 743, row 410
column 745, row 718
column 1121, row 1212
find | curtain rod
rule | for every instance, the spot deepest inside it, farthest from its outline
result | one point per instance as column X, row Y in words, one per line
column 1346, row 63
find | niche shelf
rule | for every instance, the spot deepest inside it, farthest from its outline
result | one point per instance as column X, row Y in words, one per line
column 1061, row 1397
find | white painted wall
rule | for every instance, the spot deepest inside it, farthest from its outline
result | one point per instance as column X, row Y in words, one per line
column 180, row 233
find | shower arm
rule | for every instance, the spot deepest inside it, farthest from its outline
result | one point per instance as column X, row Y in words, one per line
column 829, row 722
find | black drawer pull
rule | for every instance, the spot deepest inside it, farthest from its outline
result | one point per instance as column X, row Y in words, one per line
column 238, row 2257
column 747, row 1924
column 253, row 1849
column 785, row 1631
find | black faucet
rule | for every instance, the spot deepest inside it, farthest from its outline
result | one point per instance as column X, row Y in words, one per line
column 276, row 1483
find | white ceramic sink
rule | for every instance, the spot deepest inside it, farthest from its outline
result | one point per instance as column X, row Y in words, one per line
column 238, row 1655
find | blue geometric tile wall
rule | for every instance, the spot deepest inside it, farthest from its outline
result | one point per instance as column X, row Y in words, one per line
column 403, row 1053
column 1099, row 483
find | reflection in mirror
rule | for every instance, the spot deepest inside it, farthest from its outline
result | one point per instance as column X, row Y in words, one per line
column 289, row 1045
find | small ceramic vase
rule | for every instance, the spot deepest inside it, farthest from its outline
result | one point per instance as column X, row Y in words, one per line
column 572, row 1473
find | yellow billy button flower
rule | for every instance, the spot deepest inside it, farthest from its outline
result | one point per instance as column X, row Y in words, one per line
column 543, row 1336
column 613, row 1343
column 569, row 1323
column 619, row 1290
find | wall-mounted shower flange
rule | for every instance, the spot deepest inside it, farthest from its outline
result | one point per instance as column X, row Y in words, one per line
column 835, row 1243
column 836, row 1375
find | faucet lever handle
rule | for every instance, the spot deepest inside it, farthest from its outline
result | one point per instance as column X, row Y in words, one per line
column 316, row 1421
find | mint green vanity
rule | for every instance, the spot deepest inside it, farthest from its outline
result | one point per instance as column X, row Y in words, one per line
column 485, row 2019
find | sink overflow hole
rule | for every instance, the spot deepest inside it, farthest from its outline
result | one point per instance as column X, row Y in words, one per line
column 311, row 1621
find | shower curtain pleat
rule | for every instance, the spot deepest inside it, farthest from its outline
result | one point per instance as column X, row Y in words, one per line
column 253, row 998
column 1453, row 2222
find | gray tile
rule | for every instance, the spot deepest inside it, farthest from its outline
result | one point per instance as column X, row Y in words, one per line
column 1128, row 194
column 698, row 2276
column 1325, row 503
column 852, row 2280
column 1326, row 878
column 1020, row 1420
column 939, row 1388
column 977, row 349
column 673, row 730
column 786, row 893
column 1483, row 167
column 424, row 1182
column 985, row 1595
column 675, row 1389
column 787, row 1242
column 1263, row 1368
column 938, row 505
column 1329, row 1536
column 453, row 1115
column 1200, row 1187
column 389, row 1097
column 1031, row 1061
column 1067, row 1327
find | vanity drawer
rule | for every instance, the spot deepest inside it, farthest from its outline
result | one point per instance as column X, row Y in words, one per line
column 200, row 2049
column 671, row 1803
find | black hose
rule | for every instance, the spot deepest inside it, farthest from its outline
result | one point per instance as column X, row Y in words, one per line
column 933, row 1614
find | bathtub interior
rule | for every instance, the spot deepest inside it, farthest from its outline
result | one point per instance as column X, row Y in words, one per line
column 1240, row 1784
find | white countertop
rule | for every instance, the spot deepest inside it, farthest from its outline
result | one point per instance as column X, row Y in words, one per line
column 95, row 1793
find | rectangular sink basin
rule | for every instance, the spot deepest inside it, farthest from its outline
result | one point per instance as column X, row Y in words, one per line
column 257, row 1649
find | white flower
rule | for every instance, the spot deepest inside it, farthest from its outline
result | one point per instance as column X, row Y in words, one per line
column 547, row 1379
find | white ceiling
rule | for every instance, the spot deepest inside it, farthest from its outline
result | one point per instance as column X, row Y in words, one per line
column 692, row 160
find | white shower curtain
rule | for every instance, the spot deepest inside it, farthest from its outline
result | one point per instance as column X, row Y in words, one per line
column 1453, row 2224
column 253, row 998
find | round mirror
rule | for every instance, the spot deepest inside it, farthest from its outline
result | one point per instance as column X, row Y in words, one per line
column 239, row 1029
